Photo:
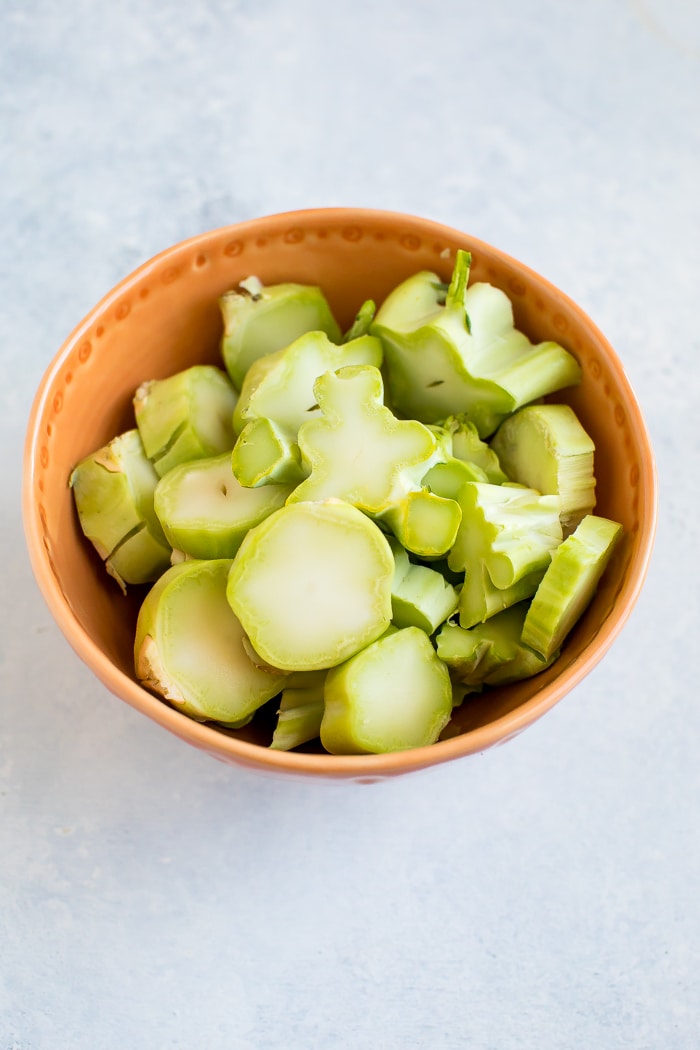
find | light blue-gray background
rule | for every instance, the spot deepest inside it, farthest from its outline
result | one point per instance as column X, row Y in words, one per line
column 543, row 896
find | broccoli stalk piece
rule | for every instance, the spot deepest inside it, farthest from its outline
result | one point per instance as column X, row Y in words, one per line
column 504, row 545
column 186, row 416
column 113, row 491
column 461, row 353
column 300, row 711
column 205, row 512
column 468, row 447
column 546, row 448
column 260, row 320
column 266, row 453
column 490, row 653
column 280, row 386
column 358, row 451
column 569, row 583
column 189, row 647
column 393, row 695
column 420, row 596
column 312, row 585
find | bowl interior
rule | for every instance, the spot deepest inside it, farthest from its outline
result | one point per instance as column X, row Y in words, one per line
column 165, row 317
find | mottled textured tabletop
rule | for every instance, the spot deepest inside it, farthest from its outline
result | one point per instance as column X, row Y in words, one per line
column 541, row 896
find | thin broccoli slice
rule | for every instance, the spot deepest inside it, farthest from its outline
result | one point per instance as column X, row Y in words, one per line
column 300, row 711
column 420, row 596
column 569, row 583
column 266, row 453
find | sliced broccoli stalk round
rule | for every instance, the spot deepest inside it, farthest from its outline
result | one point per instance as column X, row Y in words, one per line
column 393, row 695
column 189, row 647
column 312, row 585
column 186, row 416
column 265, row 453
column 205, row 512
column 260, row 320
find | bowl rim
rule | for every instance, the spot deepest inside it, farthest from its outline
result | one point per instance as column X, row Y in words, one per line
column 365, row 767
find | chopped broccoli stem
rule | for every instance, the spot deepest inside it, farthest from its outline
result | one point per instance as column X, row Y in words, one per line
column 394, row 694
column 113, row 492
column 312, row 585
column 504, row 545
column 569, row 583
column 189, row 647
column 205, row 512
column 490, row 653
column 420, row 596
column 546, row 448
column 424, row 523
column 186, row 416
column 356, row 449
column 264, row 452
column 299, row 715
column 463, row 355
column 468, row 446
column 446, row 479
column 280, row 386
column 266, row 319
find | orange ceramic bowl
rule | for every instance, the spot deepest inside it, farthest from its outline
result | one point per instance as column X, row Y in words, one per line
column 165, row 316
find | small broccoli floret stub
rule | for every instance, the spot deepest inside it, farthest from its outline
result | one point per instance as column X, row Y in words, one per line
column 490, row 653
column 504, row 545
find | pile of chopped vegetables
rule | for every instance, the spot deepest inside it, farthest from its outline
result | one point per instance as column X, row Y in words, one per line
column 362, row 529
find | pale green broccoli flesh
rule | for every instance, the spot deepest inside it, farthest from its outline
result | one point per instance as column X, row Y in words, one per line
column 461, row 354
column 113, row 492
column 393, row 695
column 260, row 320
column 312, row 585
column 569, row 583
column 205, row 512
column 300, row 710
column 189, row 647
column 491, row 653
column 280, row 386
column 546, row 448
column 265, row 453
column 420, row 596
column 185, row 417
column 503, row 545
